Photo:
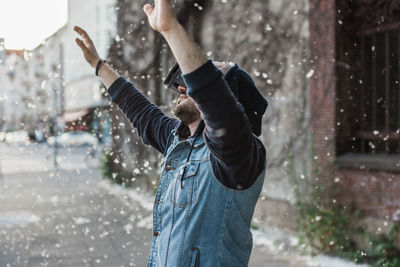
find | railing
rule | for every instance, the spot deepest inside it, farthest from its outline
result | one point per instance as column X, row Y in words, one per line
column 380, row 91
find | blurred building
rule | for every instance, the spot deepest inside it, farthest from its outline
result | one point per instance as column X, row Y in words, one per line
column 330, row 70
column 31, row 85
column 46, row 74
column 53, row 81
column 13, row 91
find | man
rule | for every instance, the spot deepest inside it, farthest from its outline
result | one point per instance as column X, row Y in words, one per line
column 214, row 165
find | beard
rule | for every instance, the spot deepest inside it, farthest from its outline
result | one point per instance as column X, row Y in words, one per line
column 186, row 110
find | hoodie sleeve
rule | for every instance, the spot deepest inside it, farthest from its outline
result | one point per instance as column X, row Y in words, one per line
column 238, row 157
column 153, row 126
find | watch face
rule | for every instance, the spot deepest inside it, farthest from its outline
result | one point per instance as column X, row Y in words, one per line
column 174, row 78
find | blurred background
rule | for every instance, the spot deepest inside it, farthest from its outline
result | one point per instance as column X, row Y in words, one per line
column 329, row 69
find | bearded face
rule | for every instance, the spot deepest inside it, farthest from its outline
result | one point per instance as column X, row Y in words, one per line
column 186, row 109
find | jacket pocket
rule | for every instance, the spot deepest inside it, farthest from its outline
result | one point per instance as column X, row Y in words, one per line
column 185, row 190
column 195, row 258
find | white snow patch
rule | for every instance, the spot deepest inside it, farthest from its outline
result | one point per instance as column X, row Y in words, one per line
column 280, row 242
column 275, row 240
column 12, row 219
column 128, row 228
column 326, row 261
column 146, row 222
column 144, row 199
column 81, row 220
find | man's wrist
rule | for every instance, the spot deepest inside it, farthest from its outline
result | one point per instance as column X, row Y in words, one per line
column 99, row 64
column 173, row 31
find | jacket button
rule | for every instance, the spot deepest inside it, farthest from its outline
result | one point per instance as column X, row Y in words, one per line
column 156, row 233
column 168, row 168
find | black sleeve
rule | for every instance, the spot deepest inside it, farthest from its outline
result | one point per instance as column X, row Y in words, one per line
column 153, row 126
column 238, row 156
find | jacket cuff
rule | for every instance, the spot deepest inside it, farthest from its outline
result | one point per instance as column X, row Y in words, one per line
column 201, row 77
column 116, row 88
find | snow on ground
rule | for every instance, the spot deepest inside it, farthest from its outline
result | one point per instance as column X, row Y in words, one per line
column 146, row 200
column 326, row 261
column 280, row 242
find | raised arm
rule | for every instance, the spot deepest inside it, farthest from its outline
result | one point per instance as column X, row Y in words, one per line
column 162, row 19
column 238, row 156
column 152, row 125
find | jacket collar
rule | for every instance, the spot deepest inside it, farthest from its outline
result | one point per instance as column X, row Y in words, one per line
column 183, row 131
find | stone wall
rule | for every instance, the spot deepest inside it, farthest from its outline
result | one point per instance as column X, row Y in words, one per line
column 269, row 39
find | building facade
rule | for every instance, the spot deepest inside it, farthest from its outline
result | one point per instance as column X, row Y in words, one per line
column 13, row 90
column 32, row 85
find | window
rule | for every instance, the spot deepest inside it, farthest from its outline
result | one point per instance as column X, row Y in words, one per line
column 380, row 96
column 368, row 85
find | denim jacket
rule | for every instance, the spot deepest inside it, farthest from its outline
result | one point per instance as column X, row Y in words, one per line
column 202, row 222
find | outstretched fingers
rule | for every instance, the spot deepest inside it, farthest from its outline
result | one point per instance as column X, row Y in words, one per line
column 84, row 34
column 81, row 45
column 81, row 31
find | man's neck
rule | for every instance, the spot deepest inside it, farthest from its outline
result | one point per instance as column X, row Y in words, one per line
column 193, row 126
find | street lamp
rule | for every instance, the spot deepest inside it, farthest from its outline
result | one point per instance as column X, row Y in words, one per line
column 59, row 111
column 53, row 131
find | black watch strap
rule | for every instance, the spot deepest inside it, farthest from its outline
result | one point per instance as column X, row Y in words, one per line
column 101, row 61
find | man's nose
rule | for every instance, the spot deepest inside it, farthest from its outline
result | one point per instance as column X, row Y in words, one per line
column 182, row 89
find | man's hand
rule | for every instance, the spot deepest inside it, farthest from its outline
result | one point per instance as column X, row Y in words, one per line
column 161, row 16
column 162, row 19
column 87, row 46
column 107, row 74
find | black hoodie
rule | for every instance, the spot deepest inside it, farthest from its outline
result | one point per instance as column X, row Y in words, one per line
column 237, row 155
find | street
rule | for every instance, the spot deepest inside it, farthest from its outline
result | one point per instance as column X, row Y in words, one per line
column 70, row 217
column 62, row 217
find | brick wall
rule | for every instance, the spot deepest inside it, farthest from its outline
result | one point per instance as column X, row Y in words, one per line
column 375, row 193
column 322, row 88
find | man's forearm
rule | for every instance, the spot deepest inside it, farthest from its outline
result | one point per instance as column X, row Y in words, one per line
column 188, row 54
column 108, row 75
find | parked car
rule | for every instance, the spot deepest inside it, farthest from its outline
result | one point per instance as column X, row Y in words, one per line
column 17, row 137
column 75, row 138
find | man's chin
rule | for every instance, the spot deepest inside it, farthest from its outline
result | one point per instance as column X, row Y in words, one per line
column 181, row 101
